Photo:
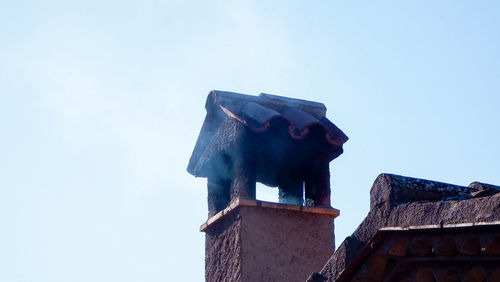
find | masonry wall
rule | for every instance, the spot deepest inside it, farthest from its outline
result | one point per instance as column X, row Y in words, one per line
column 222, row 250
column 255, row 243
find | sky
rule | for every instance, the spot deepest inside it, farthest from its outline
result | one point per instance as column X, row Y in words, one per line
column 101, row 103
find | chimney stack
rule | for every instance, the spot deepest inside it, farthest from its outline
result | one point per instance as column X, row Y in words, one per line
column 280, row 142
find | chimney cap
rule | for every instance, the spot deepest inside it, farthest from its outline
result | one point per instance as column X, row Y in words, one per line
column 301, row 118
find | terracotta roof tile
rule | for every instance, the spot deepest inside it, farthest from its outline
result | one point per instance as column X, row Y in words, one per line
column 302, row 119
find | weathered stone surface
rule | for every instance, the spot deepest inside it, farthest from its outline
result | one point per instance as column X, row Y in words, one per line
column 222, row 250
column 394, row 190
column 483, row 189
column 403, row 203
column 256, row 243
column 282, row 245
column 342, row 257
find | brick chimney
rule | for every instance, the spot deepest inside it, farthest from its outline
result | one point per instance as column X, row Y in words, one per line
column 280, row 142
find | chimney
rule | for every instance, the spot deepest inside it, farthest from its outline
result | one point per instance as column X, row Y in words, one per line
column 280, row 142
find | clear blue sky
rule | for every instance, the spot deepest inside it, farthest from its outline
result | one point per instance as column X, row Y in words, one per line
column 101, row 103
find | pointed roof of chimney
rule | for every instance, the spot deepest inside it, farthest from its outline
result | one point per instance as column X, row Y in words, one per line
column 302, row 119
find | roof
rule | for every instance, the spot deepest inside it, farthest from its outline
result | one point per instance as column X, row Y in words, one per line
column 404, row 207
column 264, row 116
column 451, row 252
